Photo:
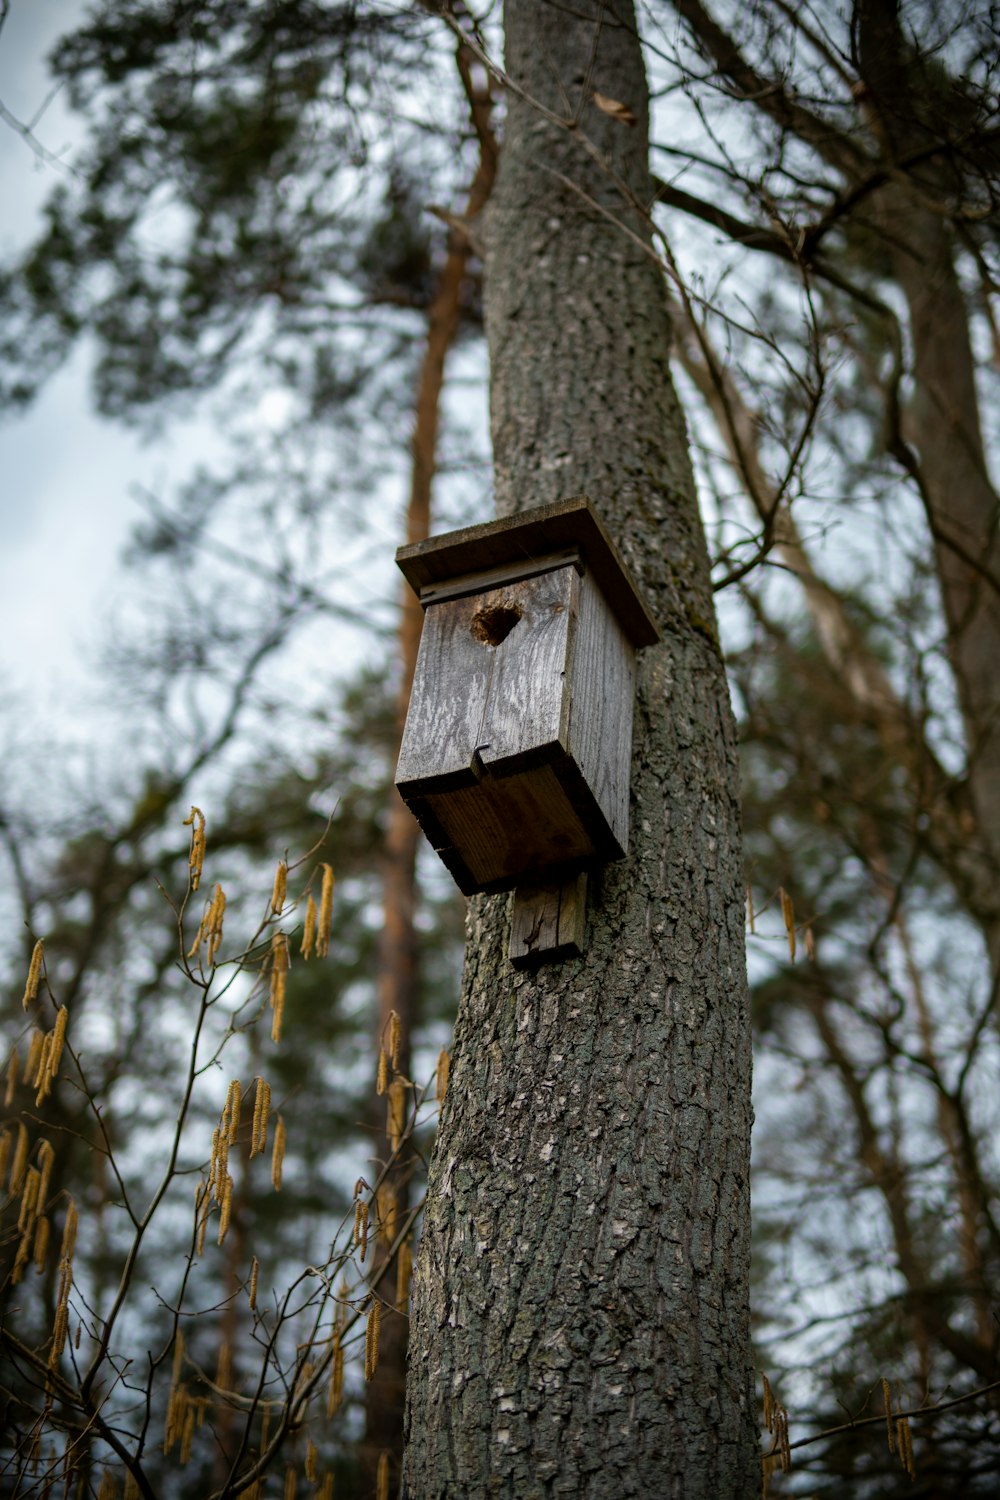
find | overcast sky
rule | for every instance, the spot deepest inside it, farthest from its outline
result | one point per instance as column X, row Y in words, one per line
column 65, row 477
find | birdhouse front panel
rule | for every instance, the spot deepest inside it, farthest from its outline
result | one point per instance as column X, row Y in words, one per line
column 516, row 752
column 489, row 679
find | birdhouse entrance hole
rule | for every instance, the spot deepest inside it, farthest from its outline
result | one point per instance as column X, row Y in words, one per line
column 493, row 624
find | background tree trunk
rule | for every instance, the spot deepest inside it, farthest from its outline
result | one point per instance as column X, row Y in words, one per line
column 580, row 1321
column 940, row 438
column 398, row 972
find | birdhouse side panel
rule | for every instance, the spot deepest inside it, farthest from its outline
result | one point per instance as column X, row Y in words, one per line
column 601, row 708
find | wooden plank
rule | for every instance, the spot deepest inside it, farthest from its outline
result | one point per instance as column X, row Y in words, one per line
column 535, row 534
column 498, row 832
column 516, row 752
column 599, row 738
column 491, row 578
column 476, row 703
column 548, row 922
column 527, row 700
column 448, row 699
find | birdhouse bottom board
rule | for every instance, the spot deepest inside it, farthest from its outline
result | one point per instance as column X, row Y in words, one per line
column 515, row 757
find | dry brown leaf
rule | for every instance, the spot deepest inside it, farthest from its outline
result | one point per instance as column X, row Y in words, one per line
column 788, row 914
column 615, row 108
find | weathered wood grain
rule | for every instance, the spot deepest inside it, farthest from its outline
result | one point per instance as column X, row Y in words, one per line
column 599, row 738
column 515, row 756
column 548, row 922
column 527, row 702
column 497, row 832
column 489, row 578
column 476, row 704
column 447, row 703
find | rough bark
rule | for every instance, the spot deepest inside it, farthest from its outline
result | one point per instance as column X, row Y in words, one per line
column 580, row 1321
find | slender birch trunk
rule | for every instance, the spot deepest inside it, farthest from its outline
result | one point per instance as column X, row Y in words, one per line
column 580, row 1322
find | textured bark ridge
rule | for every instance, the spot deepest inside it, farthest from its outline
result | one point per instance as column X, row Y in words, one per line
column 580, row 1322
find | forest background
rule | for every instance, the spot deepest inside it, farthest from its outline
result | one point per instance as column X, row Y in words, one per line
column 258, row 280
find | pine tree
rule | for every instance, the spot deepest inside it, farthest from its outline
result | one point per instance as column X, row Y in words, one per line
column 581, row 1314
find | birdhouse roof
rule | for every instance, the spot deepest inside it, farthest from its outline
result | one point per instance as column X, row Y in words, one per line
column 569, row 527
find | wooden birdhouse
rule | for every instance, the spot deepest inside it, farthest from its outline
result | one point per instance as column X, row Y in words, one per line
column 517, row 747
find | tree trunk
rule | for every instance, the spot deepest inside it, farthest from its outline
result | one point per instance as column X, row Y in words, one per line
column 956, row 820
column 940, row 442
column 942, row 426
column 580, row 1321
